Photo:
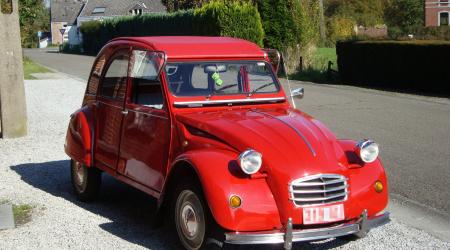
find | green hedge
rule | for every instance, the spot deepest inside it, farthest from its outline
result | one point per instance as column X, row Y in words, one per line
column 97, row 33
column 218, row 18
column 417, row 66
column 228, row 18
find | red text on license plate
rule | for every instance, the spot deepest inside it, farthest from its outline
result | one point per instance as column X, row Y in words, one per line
column 323, row 214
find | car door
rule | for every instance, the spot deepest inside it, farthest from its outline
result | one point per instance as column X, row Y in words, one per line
column 145, row 140
column 109, row 111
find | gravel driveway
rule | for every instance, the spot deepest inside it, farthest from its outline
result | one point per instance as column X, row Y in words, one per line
column 35, row 170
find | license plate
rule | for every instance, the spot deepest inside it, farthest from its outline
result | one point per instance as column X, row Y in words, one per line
column 323, row 214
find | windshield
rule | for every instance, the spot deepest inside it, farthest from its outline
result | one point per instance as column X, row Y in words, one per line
column 220, row 78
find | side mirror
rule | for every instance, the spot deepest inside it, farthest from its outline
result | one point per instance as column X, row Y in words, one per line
column 298, row 93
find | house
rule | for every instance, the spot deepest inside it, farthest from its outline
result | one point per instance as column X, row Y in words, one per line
column 70, row 14
column 437, row 12
column 64, row 15
column 103, row 9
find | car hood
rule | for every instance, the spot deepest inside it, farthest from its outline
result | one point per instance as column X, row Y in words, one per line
column 292, row 143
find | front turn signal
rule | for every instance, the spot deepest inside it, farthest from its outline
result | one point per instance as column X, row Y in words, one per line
column 378, row 186
column 235, row 201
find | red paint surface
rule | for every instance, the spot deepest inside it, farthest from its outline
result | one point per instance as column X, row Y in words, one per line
column 146, row 144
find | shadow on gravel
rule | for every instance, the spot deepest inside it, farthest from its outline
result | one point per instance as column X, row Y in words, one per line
column 132, row 212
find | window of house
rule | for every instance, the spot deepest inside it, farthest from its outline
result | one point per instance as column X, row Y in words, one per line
column 99, row 10
column 443, row 19
column 115, row 80
column 146, row 84
column 136, row 12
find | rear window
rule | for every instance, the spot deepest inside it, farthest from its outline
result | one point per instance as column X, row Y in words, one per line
column 94, row 80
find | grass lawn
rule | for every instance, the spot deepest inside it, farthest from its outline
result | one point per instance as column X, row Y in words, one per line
column 317, row 70
column 30, row 67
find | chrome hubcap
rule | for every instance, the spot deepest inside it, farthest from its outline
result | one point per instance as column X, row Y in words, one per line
column 189, row 221
column 79, row 173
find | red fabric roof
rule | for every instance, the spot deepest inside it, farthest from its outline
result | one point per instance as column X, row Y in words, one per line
column 184, row 47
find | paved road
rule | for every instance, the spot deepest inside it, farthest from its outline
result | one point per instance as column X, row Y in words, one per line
column 413, row 131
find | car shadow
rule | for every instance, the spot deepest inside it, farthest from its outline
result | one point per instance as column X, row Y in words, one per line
column 132, row 213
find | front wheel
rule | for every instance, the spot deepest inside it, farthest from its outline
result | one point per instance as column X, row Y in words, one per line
column 190, row 219
column 86, row 181
column 194, row 224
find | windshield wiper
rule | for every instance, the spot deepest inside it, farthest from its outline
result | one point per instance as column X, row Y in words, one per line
column 261, row 87
column 226, row 87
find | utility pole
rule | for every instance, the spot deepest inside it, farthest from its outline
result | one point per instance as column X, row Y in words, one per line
column 13, row 114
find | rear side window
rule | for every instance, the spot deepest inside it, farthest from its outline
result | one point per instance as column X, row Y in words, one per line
column 95, row 77
column 115, row 80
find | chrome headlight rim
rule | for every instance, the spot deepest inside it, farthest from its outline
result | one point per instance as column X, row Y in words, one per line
column 244, row 158
column 367, row 150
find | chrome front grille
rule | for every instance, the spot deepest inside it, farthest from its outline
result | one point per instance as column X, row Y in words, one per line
column 318, row 189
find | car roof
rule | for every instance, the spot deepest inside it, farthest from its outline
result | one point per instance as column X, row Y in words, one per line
column 195, row 47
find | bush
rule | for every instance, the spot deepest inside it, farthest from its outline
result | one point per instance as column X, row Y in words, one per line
column 71, row 49
column 339, row 28
column 399, row 65
column 292, row 27
column 419, row 32
column 218, row 18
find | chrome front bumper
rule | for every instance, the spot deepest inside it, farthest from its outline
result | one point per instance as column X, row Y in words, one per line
column 362, row 226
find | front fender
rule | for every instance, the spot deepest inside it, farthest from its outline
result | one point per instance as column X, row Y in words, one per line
column 221, row 177
column 362, row 180
column 78, row 144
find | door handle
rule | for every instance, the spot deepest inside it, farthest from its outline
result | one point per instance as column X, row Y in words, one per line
column 125, row 112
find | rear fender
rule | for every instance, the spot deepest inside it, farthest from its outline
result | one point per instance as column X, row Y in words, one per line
column 221, row 177
column 79, row 136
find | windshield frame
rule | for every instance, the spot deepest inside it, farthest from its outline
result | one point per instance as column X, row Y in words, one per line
column 212, row 93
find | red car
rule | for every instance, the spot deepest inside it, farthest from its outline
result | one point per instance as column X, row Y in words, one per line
column 203, row 125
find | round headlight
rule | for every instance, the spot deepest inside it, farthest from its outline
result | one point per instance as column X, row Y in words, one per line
column 367, row 150
column 250, row 161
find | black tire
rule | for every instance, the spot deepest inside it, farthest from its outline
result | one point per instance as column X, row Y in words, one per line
column 86, row 181
column 188, row 204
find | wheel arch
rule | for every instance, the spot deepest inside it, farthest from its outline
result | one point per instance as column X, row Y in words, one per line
column 79, row 137
column 211, row 170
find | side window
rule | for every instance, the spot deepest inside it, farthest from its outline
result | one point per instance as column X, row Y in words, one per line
column 115, row 80
column 146, row 84
column 94, row 80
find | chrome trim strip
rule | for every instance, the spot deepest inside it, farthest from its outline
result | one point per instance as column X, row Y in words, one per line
column 278, row 236
column 309, row 184
column 248, row 100
column 319, row 191
column 321, row 198
column 292, row 127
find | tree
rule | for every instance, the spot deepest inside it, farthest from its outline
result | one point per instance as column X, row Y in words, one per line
column 405, row 13
column 33, row 17
column 363, row 12
column 174, row 5
column 6, row 6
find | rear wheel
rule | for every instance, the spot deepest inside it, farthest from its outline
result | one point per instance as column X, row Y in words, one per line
column 86, row 181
